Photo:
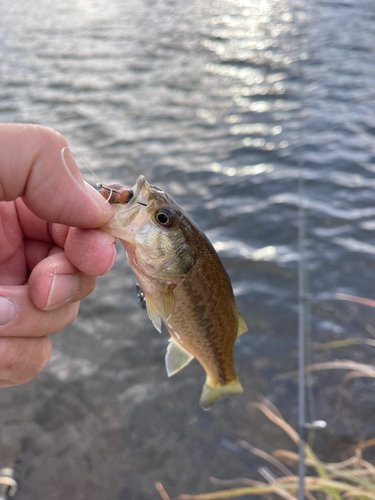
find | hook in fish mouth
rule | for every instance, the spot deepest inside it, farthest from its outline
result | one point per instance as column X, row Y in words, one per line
column 123, row 195
column 116, row 193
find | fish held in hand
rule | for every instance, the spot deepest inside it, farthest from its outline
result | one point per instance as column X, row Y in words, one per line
column 184, row 282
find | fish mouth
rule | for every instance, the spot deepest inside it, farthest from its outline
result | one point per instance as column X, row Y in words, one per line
column 139, row 194
column 119, row 194
column 125, row 213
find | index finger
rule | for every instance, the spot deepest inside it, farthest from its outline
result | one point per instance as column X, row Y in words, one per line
column 31, row 167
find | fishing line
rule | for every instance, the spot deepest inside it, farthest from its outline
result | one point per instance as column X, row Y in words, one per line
column 314, row 425
column 301, row 336
column 98, row 184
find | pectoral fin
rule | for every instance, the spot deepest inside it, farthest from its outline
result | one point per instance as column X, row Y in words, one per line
column 152, row 314
column 169, row 301
column 242, row 327
column 176, row 358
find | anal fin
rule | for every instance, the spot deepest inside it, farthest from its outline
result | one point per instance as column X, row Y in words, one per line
column 176, row 358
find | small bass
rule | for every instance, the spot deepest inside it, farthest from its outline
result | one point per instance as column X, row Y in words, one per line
column 184, row 282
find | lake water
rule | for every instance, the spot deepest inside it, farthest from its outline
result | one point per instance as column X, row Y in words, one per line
column 223, row 103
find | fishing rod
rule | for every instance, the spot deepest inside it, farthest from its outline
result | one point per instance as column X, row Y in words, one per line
column 303, row 426
column 301, row 338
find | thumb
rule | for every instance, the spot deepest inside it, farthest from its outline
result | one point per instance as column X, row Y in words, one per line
column 31, row 166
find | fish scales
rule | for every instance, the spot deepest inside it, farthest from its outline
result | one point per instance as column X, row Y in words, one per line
column 185, row 285
column 208, row 319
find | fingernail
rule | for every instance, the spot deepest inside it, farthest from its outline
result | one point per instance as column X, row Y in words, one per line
column 63, row 288
column 73, row 171
column 7, row 311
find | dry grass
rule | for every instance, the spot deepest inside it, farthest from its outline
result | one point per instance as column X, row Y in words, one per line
column 348, row 480
column 351, row 479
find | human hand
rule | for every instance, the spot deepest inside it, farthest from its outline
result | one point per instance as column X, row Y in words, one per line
column 46, row 266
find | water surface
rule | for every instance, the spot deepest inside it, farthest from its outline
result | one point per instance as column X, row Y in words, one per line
column 222, row 103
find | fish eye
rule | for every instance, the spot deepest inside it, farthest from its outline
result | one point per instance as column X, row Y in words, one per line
column 165, row 217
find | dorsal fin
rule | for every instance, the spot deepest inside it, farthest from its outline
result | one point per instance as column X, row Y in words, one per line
column 176, row 358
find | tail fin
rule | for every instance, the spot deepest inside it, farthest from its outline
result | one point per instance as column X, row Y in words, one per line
column 211, row 393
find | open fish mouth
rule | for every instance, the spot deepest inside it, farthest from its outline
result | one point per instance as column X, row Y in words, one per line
column 137, row 191
column 141, row 193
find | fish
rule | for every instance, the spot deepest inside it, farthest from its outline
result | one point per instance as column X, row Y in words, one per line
column 184, row 283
